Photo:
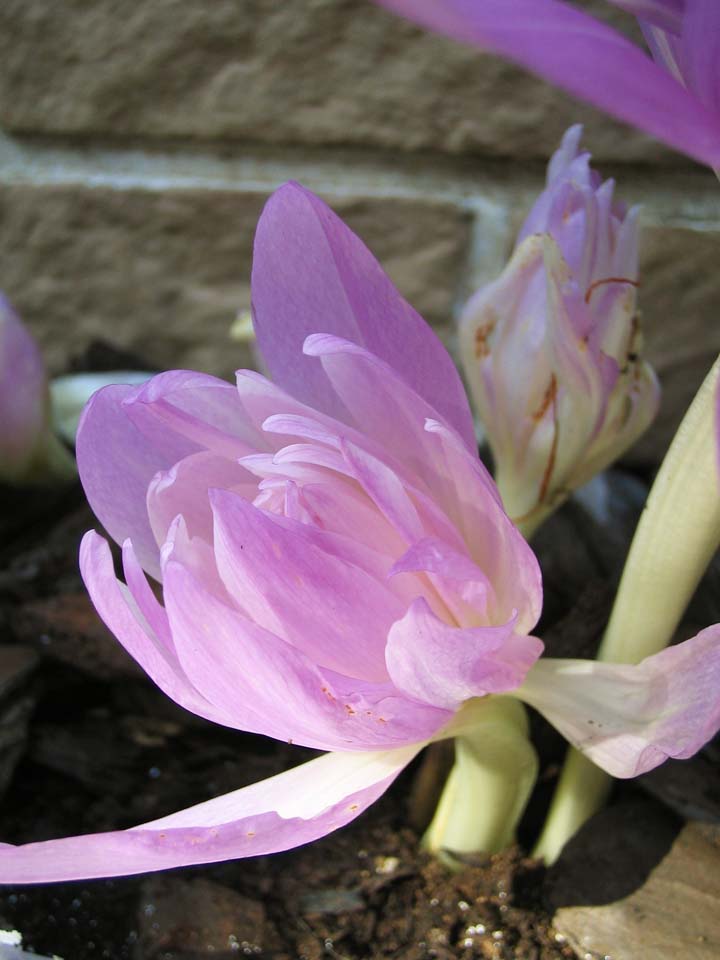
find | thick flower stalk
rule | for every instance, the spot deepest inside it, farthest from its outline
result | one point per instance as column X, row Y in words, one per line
column 676, row 538
column 552, row 348
column 336, row 565
column 29, row 450
column 671, row 94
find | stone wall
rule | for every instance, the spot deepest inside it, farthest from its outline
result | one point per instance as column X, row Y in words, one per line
column 141, row 138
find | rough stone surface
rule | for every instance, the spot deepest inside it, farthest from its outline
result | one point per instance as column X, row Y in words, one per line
column 680, row 303
column 164, row 273
column 309, row 72
column 673, row 913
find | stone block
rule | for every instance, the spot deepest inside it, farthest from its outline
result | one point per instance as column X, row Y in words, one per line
column 315, row 72
column 672, row 914
column 163, row 273
column 680, row 303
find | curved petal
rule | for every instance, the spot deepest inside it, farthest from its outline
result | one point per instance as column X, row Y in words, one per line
column 183, row 489
column 204, row 409
column 368, row 388
column 701, row 44
column 467, row 594
column 289, row 585
column 444, row 665
column 280, row 813
column 583, row 56
column 129, row 612
column 493, row 541
column 129, row 434
column 116, row 463
column 629, row 719
column 311, row 274
column 268, row 686
column 70, row 393
column 386, row 490
column 396, row 491
column 337, row 507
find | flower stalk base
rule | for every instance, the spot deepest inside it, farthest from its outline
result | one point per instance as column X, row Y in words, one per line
column 676, row 538
column 489, row 785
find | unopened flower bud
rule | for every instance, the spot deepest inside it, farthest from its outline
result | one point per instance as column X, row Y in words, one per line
column 552, row 348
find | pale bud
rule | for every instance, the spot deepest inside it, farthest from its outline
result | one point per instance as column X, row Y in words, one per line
column 551, row 349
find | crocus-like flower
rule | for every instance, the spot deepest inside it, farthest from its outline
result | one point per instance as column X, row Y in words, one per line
column 551, row 349
column 674, row 96
column 23, row 395
column 29, row 452
column 337, row 568
column 37, row 416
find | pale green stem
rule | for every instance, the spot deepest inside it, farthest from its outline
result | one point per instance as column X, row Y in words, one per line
column 489, row 785
column 676, row 538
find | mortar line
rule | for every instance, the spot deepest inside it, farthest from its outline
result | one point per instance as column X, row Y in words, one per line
column 676, row 199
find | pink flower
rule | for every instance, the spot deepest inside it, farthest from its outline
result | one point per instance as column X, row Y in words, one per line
column 35, row 413
column 24, row 398
column 337, row 568
column 673, row 97
column 551, row 349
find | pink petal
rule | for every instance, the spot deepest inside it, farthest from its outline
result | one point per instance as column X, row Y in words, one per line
column 183, row 489
column 144, row 599
column 465, row 590
column 260, row 399
column 494, row 543
column 629, row 719
column 444, row 665
column 265, row 685
column 341, row 509
column 197, row 556
column 368, row 388
column 311, row 274
column 129, row 434
column 280, row 813
column 386, row 490
column 583, row 56
column 701, row 45
column 204, row 409
column 116, row 464
column 131, row 615
column 333, row 611
column 396, row 491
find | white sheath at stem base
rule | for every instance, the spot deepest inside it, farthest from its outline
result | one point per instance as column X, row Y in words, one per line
column 676, row 538
column 487, row 789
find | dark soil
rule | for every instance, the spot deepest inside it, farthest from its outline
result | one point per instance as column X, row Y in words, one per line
column 105, row 749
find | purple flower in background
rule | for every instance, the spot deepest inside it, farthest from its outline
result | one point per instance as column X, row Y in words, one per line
column 551, row 349
column 673, row 95
column 24, row 399
column 337, row 568
column 37, row 417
